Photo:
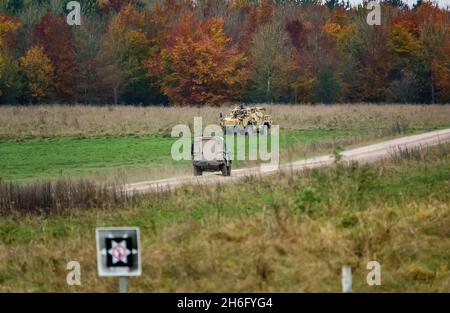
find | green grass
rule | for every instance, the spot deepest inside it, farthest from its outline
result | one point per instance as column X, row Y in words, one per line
column 286, row 232
column 74, row 157
column 61, row 156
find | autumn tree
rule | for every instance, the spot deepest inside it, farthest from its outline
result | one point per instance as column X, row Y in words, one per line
column 210, row 51
column 7, row 26
column 406, row 59
column 38, row 72
column 419, row 42
column 441, row 73
column 129, row 42
column 199, row 66
column 87, row 44
column 302, row 59
column 434, row 37
column 365, row 56
column 55, row 37
column 259, row 14
column 271, row 76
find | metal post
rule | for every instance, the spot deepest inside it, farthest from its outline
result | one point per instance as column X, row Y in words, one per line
column 346, row 279
column 122, row 284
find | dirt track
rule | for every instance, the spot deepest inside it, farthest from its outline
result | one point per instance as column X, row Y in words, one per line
column 366, row 154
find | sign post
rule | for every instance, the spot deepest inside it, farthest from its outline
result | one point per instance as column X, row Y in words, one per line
column 118, row 253
column 122, row 284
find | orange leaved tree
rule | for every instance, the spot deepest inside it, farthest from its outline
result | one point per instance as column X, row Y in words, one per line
column 199, row 65
column 55, row 37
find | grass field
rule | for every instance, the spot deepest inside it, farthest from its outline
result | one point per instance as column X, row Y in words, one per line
column 97, row 157
column 124, row 144
column 287, row 232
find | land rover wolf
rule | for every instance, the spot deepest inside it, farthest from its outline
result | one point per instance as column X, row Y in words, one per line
column 210, row 154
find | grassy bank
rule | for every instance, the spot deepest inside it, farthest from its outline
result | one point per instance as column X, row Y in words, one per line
column 289, row 232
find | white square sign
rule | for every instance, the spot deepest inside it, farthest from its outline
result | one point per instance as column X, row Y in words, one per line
column 118, row 251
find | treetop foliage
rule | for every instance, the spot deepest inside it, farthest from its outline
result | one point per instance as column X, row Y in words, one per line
column 186, row 52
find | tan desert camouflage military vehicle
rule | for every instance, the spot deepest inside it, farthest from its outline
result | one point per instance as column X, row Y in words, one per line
column 246, row 120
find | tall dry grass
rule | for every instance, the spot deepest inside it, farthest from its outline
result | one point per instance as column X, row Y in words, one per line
column 47, row 198
column 78, row 120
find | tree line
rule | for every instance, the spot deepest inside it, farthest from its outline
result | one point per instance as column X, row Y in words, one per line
column 201, row 52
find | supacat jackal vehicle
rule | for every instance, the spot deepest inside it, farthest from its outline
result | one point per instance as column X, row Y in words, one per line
column 210, row 154
column 246, row 120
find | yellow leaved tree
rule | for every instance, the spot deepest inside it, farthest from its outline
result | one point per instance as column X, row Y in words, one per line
column 38, row 72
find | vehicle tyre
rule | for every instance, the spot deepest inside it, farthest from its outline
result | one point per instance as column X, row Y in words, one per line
column 228, row 170
column 197, row 171
column 224, row 170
